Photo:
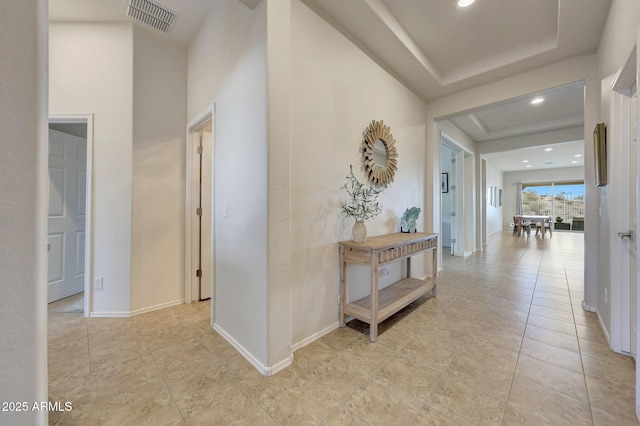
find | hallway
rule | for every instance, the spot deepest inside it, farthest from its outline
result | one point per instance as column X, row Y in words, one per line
column 504, row 342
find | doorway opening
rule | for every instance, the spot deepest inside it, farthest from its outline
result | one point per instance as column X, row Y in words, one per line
column 199, row 244
column 458, row 200
column 69, row 241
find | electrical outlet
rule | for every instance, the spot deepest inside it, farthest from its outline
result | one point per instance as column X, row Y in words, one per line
column 97, row 283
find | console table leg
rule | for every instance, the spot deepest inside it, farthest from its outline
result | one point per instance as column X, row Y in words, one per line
column 343, row 287
column 373, row 323
column 434, row 270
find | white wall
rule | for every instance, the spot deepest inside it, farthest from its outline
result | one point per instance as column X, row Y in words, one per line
column 458, row 136
column 91, row 71
column 336, row 91
column 494, row 212
column 23, row 208
column 619, row 36
column 158, row 193
column 279, row 178
column 223, row 41
column 227, row 65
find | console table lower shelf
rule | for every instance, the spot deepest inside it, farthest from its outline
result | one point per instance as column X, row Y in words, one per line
column 390, row 299
column 379, row 251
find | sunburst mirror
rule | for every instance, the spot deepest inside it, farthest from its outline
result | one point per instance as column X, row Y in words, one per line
column 379, row 153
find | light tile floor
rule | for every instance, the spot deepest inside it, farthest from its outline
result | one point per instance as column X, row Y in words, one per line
column 505, row 342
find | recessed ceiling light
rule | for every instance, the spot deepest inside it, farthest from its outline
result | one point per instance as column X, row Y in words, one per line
column 537, row 101
column 548, row 149
column 578, row 155
column 528, row 165
column 465, row 3
column 574, row 162
column 525, row 161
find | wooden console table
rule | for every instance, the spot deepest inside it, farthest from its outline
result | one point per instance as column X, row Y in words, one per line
column 376, row 252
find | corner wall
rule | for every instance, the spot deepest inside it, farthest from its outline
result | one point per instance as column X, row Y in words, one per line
column 24, row 183
column 158, row 171
column 336, row 91
column 495, row 212
column 227, row 65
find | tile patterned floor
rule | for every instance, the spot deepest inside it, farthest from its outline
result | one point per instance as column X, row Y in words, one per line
column 505, row 342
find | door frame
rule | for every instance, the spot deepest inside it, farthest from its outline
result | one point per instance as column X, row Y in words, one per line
column 464, row 192
column 619, row 131
column 190, row 245
column 620, row 123
column 88, row 220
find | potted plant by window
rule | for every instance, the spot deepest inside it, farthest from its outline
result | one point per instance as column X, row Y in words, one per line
column 559, row 219
column 361, row 204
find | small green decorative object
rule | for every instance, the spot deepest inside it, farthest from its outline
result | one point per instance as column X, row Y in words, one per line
column 409, row 218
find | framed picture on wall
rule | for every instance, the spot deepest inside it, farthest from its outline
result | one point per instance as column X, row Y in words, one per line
column 489, row 195
column 445, row 183
column 500, row 197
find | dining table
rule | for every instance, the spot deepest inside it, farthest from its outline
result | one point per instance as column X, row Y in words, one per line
column 531, row 218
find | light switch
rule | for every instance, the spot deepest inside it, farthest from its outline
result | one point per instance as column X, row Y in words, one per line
column 225, row 209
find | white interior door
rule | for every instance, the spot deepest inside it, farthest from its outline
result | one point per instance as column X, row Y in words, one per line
column 206, row 192
column 454, row 206
column 469, row 205
column 445, row 199
column 457, row 188
column 67, row 210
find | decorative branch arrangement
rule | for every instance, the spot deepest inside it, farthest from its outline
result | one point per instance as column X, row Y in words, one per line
column 362, row 201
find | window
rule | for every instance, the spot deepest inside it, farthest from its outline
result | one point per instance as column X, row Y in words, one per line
column 557, row 199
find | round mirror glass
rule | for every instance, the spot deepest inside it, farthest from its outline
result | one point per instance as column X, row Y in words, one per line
column 380, row 154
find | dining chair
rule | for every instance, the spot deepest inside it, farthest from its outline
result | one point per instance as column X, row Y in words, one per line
column 526, row 226
column 548, row 227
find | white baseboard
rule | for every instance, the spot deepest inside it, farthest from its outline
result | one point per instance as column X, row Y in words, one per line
column 279, row 366
column 110, row 314
column 116, row 314
column 314, row 337
column 587, row 307
column 263, row 369
column 604, row 329
column 156, row 307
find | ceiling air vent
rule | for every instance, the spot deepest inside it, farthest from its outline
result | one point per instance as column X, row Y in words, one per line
column 151, row 14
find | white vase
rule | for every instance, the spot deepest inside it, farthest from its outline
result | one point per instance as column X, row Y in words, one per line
column 359, row 232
